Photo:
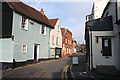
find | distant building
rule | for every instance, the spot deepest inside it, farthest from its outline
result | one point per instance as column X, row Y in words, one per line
column 74, row 46
column 55, row 39
column 66, row 42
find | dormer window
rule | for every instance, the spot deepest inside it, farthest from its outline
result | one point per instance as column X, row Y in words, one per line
column 43, row 30
column 24, row 23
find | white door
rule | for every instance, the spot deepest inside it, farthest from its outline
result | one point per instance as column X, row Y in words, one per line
column 106, row 51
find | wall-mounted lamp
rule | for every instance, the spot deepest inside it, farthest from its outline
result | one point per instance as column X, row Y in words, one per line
column 97, row 39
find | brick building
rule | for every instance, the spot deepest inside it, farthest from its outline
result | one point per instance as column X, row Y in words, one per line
column 66, row 42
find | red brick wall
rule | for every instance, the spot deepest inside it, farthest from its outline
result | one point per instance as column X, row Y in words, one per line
column 67, row 41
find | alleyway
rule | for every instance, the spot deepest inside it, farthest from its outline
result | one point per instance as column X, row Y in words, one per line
column 49, row 69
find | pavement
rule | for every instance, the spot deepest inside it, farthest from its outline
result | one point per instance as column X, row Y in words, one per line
column 80, row 72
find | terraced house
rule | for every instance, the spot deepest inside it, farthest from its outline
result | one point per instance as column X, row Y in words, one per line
column 66, row 42
column 55, row 39
column 25, row 34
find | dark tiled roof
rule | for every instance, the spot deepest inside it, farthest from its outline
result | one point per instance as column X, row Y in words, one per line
column 29, row 12
column 53, row 21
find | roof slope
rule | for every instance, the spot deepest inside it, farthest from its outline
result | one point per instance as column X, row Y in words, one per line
column 53, row 22
column 28, row 11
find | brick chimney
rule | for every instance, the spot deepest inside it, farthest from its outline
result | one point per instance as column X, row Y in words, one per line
column 42, row 12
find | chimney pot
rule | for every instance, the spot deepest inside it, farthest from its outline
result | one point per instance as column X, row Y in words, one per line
column 42, row 12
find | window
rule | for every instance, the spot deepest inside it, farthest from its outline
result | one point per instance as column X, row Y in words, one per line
column 57, row 40
column 66, row 40
column 43, row 29
column 106, row 47
column 53, row 40
column 24, row 49
column 58, row 28
column 24, row 23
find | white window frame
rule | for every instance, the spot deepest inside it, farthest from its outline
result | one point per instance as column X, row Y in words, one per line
column 24, row 25
column 44, row 30
column 23, row 50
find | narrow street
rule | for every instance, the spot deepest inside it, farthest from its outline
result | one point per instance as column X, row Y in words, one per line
column 47, row 69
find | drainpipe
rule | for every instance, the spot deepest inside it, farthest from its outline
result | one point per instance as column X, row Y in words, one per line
column 91, row 52
column 90, row 46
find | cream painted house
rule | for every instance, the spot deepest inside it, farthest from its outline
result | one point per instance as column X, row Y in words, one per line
column 55, row 39
column 98, row 8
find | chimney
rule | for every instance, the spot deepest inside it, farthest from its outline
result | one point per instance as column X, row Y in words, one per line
column 42, row 12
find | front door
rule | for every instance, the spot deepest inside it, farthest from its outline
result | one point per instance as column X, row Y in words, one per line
column 106, row 52
column 36, row 51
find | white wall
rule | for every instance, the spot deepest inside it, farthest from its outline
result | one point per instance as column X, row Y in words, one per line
column 112, row 11
column 54, row 32
column 99, row 7
column 97, row 47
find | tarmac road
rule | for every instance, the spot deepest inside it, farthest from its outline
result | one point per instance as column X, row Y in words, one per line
column 47, row 69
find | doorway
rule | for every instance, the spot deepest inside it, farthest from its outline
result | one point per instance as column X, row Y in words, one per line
column 36, row 52
column 106, row 52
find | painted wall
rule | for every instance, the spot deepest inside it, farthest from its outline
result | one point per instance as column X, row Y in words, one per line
column 99, row 7
column 54, row 32
column 116, row 40
column 98, row 59
column 29, row 37
column 6, row 50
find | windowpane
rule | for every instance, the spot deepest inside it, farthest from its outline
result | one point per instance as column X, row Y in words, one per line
column 43, row 29
column 57, row 41
column 24, row 22
column 24, row 49
column 52, row 39
column 58, row 28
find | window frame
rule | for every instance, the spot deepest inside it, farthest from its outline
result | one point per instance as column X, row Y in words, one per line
column 57, row 39
column 23, row 49
column 24, row 24
column 44, row 29
column 53, row 40
column 58, row 28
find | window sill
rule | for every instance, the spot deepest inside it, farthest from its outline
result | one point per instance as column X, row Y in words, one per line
column 24, row 52
column 24, row 29
column 43, row 34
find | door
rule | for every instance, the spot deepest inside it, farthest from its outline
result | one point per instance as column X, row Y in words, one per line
column 106, row 52
column 36, row 52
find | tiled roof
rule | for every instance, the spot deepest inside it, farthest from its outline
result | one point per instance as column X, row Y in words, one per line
column 28, row 11
column 53, row 21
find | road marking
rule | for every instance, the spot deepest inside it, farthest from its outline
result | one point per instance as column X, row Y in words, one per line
column 65, row 72
column 34, row 64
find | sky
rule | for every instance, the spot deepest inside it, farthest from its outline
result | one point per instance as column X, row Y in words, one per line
column 72, row 15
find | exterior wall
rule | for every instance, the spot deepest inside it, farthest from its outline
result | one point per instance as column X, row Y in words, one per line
column 29, row 37
column 66, row 42
column 73, row 46
column 20, row 38
column 54, row 32
column 98, row 59
column 6, row 50
column 112, row 11
column 99, row 7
